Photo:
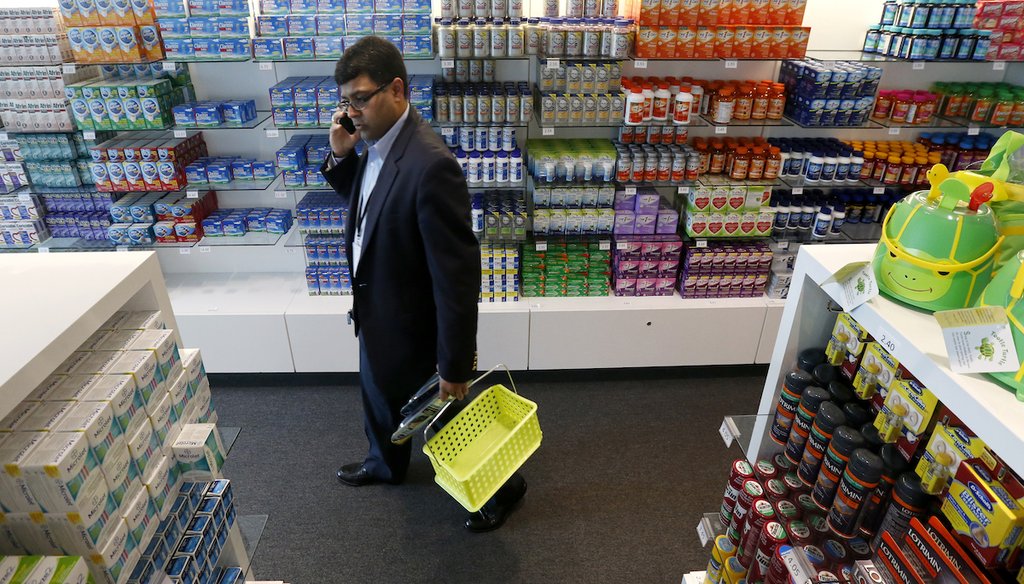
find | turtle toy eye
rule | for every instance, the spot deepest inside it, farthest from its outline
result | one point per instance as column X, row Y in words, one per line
column 892, row 255
column 943, row 274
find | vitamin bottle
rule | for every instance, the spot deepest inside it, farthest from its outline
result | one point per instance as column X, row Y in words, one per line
column 741, row 163
column 759, row 108
column 908, row 501
column 893, row 170
column 635, row 107
column 744, row 104
column 683, row 106
column 901, row 107
column 659, row 111
column 909, row 175
column 838, row 218
column 822, row 223
column 773, row 164
column 1002, row 109
column 829, row 417
column 811, row 400
column 844, row 441
column 697, row 91
column 776, row 101
column 758, row 162
column 861, row 476
column 983, row 106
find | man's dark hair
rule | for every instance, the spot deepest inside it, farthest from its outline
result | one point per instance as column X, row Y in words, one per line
column 377, row 57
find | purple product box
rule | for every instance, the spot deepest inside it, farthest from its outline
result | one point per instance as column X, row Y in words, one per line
column 668, row 268
column 646, row 286
column 175, row 28
column 624, row 201
column 667, row 222
column 664, row 286
column 625, row 287
column 625, row 222
column 301, row 25
column 629, row 249
column 650, row 250
column 647, row 268
column 627, row 268
column 646, row 203
column 330, row 24
column 672, row 247
column 273, row 26
column 268, row 49
column 645, row 224
column 298, row 48
column 387, row 24
column 178, row 48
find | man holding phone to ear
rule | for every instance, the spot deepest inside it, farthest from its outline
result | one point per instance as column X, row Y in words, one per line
column 414, row 260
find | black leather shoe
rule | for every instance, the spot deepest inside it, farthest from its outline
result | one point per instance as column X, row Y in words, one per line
column 494, row 513
column 357, row 475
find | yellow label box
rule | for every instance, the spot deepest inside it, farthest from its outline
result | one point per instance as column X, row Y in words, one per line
column 986, row 512
column 948, row 447
column 877, row 371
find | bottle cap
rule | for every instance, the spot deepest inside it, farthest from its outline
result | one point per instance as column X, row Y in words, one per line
column 856, row 414
column 866, row 465
column 845, row 440
column 829, row 416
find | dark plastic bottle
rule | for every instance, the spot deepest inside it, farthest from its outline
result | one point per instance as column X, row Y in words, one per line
column 895, row 465
column 907, row 502
column 810, row 403
column 829, row 417
column 789, row 401
column 860, row 478
column 844, row 441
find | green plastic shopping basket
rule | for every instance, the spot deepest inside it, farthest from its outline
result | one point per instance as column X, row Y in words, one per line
column 479, row 449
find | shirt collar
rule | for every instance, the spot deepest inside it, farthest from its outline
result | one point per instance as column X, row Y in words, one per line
column 383, row 146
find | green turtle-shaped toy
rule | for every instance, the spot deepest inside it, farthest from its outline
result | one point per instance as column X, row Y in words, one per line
column 1006, row 290
column 937, row 246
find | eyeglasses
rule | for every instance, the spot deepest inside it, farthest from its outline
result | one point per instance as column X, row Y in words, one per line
column 359, row 103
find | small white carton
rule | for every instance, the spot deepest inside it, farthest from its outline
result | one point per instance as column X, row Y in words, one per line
column 115, row 559
column 96, row 420
column 120, row 392
column 161, row 342
column 119, row 469
column 83, row 535
column 142, row 443
column 21, row 411
column 96, row 363
column 141, row 365
column 34, row 533
column 15, row 449
column 142, row 320
column 46, row 417
column 64, row 476
column 71, row 388
column 199, row 452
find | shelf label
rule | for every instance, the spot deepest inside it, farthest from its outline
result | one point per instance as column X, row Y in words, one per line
column 44, row 250
column 631, row 190
column 547, row 131
column 853, row 285
column 894, row 131
column 122, row 248
column 68, row 68
column 542, row 246
column 204, row 249
column 280, row 194
column 973, row 130
column 604, row 245
column 999, row 66
column 88, row 134
column 168, row 65
column 702, row 533
column 731, row 63
column 726, row 433
column 553, row 63
column 683, row 190
column 784, row 244
column 266, row 66
column 640, row 64
column 181, row 133
column 918, row 66
column 878, row 190
column 272, row 133
column 978, row 340
column 721, row 130
column 701, row 243
column 887, row 340
column 621, row 245
column 449, row 63
column 447, row 131
column 798, row 190
column 185, row 250
column 191, row 194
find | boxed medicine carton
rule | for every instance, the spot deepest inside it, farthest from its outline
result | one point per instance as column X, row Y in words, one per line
column 64, row 476
column 46, row 417
column 81, row 534
column 120, row 470
column 142, row 366
column 32, row 532
column 199, row 452
column 96, row 421
column 140, row 514
column 143, row 443
column 162, row 481
column 985, row 508
column 163, row 344
column 120, row 392
column 15, row 449
column 23, row 410
column 115, row 558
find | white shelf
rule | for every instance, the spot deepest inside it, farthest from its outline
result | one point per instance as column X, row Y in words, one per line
column 988, row 408
column 54, row 302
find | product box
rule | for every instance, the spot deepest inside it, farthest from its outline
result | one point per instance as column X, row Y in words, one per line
column 985, row 508
column 120, row 393
column 199, row 452
column 846, row 345
column 16, row 449
column 947, row 448
column 119, row 469
column 64, row 476
column 143, row 443
column 142, row 366
column 905, row 415
column 96, row 421
column 877, row 372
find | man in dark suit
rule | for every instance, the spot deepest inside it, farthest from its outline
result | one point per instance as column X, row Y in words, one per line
column 414, row 260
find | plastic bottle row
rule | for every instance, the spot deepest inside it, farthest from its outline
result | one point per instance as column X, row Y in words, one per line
column 592, row 38
column 998, row 104
column 503, row 8
column 485, row 104
column 661, row 163
column 490, row 168
column 482, row 138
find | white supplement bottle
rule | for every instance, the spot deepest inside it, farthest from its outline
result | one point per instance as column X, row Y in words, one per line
column 635, row 103
column 822, row 223
column 659, row 111
column 683, row 107
column 648, row 93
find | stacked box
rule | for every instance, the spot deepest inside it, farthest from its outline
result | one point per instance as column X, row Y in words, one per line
column 725, row 270
column 728, row 211
column 213, row 114
column 300, row 160
column 126, row 105
column 643, row 212
column 566, row 269
column 499, row 271
column 304, row 102
column 238, row 222
column 646, row 265
column 829, row 94
column 144, row 162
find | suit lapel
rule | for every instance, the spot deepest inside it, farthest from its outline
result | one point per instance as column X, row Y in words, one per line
column 350, row 223
column 386, row 178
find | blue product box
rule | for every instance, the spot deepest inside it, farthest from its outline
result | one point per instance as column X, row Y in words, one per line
column 182, row 569
column 325, row 113
column 298, row 48
column 328, row 47
column 294, row 178
column 204, row 27
column 358, row 6
column 233, row 7
column 241, row 170
column 273, row 26
column 327, row 94
column 212, row 227
column 263, row 170
column 301, row 25
column 195, row 173
column 307, row 117
column 206, row 48
column 140, row 234
column 290, row 159
column 312, row 280
column 268, row 49
column 284, row 117
column 174, row 28
column 417, row 24
column 278, row 223
column 387, row 6
column 282, row 94
column 178, row 48
column 184, row 115
column 117, row 233
column 417, row 46
column 303, row 6
column 233, row 48
column 256, row 221
column 233, row 27
column 142, row 212
column 314, row 178
column 233, row 226
column 330, row 6
column 275, row 6
column 395, row 40
column 304, row 94
column 218, row 173
column 416, row 6
column 387, row 24
column 358, row 24
column 330, row 24
column 208, row 115
column 238, row 111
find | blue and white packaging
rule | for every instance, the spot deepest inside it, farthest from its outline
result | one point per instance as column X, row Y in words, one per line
column 282, row 94
column 233, row 27
column 120, row 393
column 330, row 24
column 275, row 6
column 387, row 6
column 233, row 49
column 273, row 26
column 307, row 116
column 206, row 48
column 359, row 24
column 301, row 25
column 182, row 569
column 203, row 27
column 65, row 477
column 298, row 48
column 417, row 46
column 416, row 6
column 175, row 28
column 416, row 24
column 179, row 48
column 303, row 6
column 268, row 49
column 241, row 169
column 387, row 24
column 218, row 173
column 358, row 6
column 164, row 8
column 115, row 557
column 263, row 170
column 96, row 421
column 328, row 47
column 15, row 449
column 208, row 115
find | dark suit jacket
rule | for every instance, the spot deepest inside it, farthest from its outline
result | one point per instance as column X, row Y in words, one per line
column 415, row 295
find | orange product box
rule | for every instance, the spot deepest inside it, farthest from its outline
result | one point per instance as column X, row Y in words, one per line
column 795, row 17
column 704, row 44
column 647, row 42
column 109, row 49
column 723, row 42
column 689, row 10
column 798, row 37
column 686, row 38
column 104, row 12
column 742, row 42
column 143, row 11
column 761, row 47
column 740, row 11
column 780, row 43
column 667, row 42
column 650, row 12
column 87, row 12
column 725, row 12
column 759, row 11
column 128, row 42
column 778, row 11
column 669, row 13
column 708, row 15
column 69, row 13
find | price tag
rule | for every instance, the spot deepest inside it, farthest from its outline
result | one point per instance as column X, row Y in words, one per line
column 731, row 63
column 701, row 243
column 122, row 248
column 280, row 194
column 702, row 533
column 853, row 285
column 272, row 133
column 204, row 249
column 547, row 131
column 798, row 190
column 640, row 63
column 553, row 63
column 784, row 244
column 721, row 130
column 683, row 190
column 181, row 133
column 448, row 63
column 169, row 66
column 973, row 130
column 447, row 131
column 887, row 340
column 894, row 131
column 878, row 190
column 604, row 245
column 918, row 66
column 89, row 134
column 191, row 194
column 266, row 66
column 978, row 340
column 631, row 190
column 726, row 433
column 68, row 68
column 44, row 250
column 999, row 66
column 185, row 250
column 542, row 246
column 621, row 245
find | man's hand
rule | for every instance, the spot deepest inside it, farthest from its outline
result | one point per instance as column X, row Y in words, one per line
column 456, row 390
column 342, row 143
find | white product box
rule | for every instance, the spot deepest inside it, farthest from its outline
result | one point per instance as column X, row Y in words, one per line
column 199, row 452
column 160, row 417
column 84, row 536
column 96, row 363
column 114, row 561
column 8, row 568
column 64, row 476
column 120, row 392
column 119, row 340
column 71, row 362
column 47, row 387
column 141, row 365
column 46, row 417
column 199, row 409
column 71, row 388
column 94, row 342
column 162, row 481
column 17, row 415
column 119, row 469
column 9, row 544
column 142, row 443
column 142, row 319
column 141, row 515
column 178, row 392
column 194, row 370
column 60, row 570
column 96, row 420
column 15, row 449
column 34, row 533
column 114, row 322
column 161, row 342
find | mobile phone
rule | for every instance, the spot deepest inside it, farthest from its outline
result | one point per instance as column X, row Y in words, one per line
column 346, row 122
